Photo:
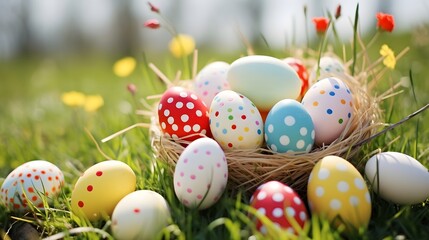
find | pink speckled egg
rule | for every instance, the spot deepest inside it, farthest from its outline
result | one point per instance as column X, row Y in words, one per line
column 201, row 174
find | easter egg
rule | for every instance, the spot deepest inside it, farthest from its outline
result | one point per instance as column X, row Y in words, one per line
column 235, row 122
column 330, row 104
column 328, row 67
column 211, row 80
column 398, row 178
column 279, row 203
column 301, row 70
column 201, row 174
column 30, row 184
column 182, row 114
column 264, row 80
column 336, row 190
column 289, row 128
column 100, row 188
column 140, row 215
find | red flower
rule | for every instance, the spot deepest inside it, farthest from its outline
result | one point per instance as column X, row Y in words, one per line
column 338, row 12
column 385, row 22
column 321, row 24
column 153, row 8
column 152, row 23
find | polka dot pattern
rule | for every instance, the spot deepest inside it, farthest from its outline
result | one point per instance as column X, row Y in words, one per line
column 235, row 121
column 288, row 128
column 182, row 114
column 278, row 202
column 330, row 104
column 31, row 182
column 329, row 67
column 98, row 190
column 211, row 80
column 337, row 188
column 140, row 215
column 201, row 174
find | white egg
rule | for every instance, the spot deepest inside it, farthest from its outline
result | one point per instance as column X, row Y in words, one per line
column 31, row 183
column 140, row 215
column 398, row 178
column 211, row 80
column 201, row 174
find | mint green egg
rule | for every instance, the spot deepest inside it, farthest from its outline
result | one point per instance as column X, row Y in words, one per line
column 264, row 80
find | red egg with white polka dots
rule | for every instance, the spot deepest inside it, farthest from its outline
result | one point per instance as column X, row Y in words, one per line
column 281, row 204
column 299, row 67
column 182, row 114
column 31, row 184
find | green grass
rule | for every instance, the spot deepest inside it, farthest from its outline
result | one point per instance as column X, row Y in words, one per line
column 36, row 125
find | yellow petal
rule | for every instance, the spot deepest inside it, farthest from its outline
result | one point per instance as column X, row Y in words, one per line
column 93, row 103
column 181, row 45
column 390, row 62
column 73, row 99
column 124, row 67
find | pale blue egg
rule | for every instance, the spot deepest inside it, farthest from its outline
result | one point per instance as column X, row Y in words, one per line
column 289, row 128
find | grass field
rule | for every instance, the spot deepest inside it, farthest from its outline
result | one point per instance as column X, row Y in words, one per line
column 35, row 124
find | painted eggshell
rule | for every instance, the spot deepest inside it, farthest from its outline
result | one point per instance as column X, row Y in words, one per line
column 279, row 203
column 398, row 178
column 29, row 184
column 301, row 70
column 181, row 114
column 140, row 215
column 330, row 104
column 289, row 128
column 100, row 188
column 235, row 122
column 264, row 80
column 329, row 67
column 201, row 174
column 211, row 80
column 336, row 189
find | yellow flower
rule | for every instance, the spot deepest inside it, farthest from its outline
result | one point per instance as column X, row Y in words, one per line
column 389, row 56
column 181, row 45
column 124, row 67
column 73, row 99
column 93, row 102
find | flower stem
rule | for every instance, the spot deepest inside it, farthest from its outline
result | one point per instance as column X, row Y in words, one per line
column 355, row 33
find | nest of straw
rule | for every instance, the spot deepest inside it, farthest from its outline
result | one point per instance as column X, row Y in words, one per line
column 251, row 167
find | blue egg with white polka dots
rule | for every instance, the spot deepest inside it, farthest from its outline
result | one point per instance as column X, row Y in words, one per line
column 289, row 128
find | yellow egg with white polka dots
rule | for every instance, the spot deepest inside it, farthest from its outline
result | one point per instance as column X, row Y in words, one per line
column 337, row 191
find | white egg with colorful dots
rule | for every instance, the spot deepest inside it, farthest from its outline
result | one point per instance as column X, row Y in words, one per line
column 330, row 105
column 235, row 122
column 289, row 128
column 328, row 67
column 211, row 80
column 201, row 174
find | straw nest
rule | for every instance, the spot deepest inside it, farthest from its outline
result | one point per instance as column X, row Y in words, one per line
column 251, row 167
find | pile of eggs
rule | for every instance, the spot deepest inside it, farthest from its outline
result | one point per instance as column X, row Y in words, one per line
column 260, row 101
column 257, row 101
